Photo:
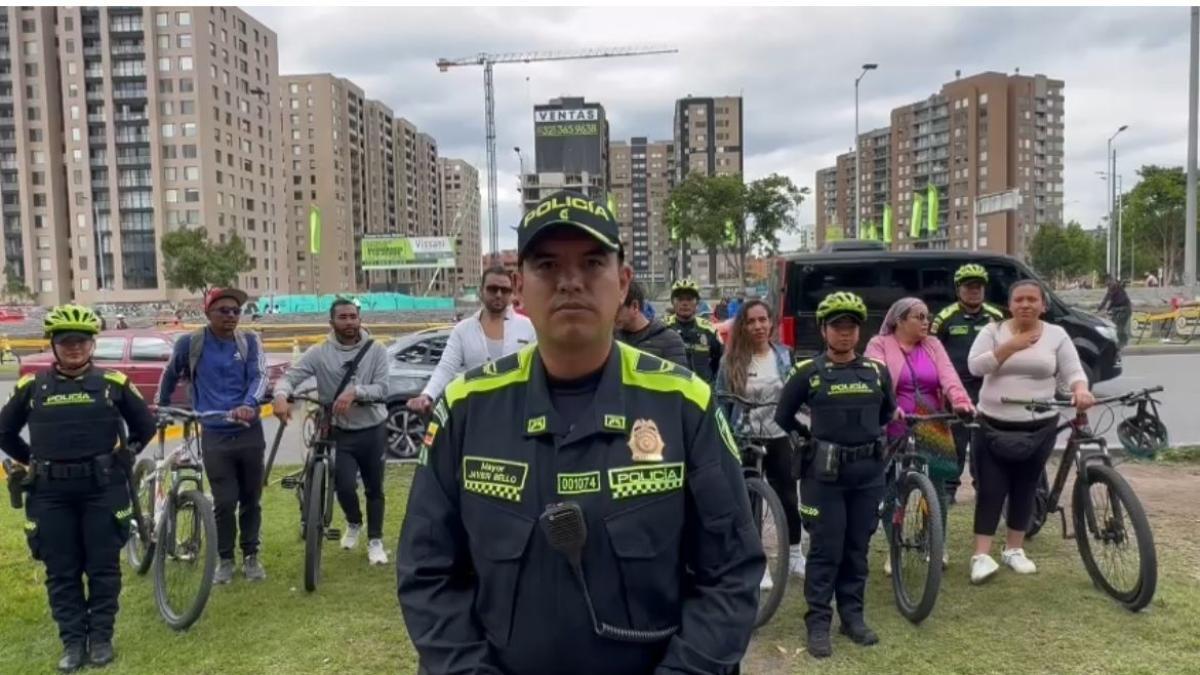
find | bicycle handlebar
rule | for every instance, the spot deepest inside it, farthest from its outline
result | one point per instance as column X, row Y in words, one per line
column 306, row 398
column 1043, row 405
column 745, row 402
column 191, row 415
column 913, row 420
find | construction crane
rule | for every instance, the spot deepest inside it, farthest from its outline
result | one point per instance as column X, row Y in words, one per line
column 489, row 104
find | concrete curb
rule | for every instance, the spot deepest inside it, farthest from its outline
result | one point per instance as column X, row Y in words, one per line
column 1164, row 350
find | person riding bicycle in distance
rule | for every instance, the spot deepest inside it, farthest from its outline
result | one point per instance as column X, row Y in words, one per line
column 78, row 514
column 849, row 400
column 349, row 367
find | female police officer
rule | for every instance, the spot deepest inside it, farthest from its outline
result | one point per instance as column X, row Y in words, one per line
column 849, row 400
column 78, row 512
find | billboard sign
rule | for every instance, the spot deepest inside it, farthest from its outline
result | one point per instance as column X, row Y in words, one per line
column 569, row 140
column 401, row 253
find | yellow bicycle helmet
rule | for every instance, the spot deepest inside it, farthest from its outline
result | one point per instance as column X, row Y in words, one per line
column 970, row 272
column 841, row 303
column 685, row 285
column 72, row 319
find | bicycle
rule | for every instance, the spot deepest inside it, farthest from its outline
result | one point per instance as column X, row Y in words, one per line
column 1111, row 518
column 916, row 541
column 178, row 537
column 765, row 508
column 314, row 486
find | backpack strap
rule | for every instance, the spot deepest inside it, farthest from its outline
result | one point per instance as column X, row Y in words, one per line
column 195, row 349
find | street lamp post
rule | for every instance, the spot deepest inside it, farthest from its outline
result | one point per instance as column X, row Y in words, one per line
column 867, row 67
column 1112, row 203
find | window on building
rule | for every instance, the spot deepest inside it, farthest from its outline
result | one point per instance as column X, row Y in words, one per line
column 164, row 64
column 184, row 40
column 183, row 18
column 186, row 85
column 185, row 63
column 167, row 131
column 162, row 19
column 164, row 41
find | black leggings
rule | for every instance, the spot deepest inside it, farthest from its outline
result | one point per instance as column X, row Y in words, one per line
column 778, row 467
column 999, row 479
column 361, row 451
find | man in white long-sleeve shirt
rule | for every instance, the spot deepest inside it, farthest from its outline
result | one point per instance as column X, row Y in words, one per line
column 492, row 332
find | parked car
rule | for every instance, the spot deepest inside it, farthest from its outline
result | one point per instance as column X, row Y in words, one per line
column 142, row 354
column 882, row 276
column 411, row 360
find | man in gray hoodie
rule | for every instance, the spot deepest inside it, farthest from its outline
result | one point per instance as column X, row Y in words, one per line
column 358, row 430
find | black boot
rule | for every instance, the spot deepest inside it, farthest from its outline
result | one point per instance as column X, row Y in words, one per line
column 859, row 633
column 819, row 644
column 73, row 658
column 100, row 652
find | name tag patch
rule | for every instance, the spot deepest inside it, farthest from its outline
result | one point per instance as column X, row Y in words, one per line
column 635, row 481
column 578, row 483
column 497, row 478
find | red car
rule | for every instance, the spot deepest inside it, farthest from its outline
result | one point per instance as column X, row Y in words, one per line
column 142, row 354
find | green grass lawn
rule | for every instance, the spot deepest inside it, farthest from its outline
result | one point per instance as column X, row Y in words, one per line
column 1053, row 622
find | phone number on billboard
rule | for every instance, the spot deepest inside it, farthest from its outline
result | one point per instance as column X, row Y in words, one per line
column 555, row 130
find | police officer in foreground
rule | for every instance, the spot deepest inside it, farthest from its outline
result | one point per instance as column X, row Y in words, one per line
column 699, row 336
column 957, row 326
column 579, row 506
column 78, row 513
column 849, row 400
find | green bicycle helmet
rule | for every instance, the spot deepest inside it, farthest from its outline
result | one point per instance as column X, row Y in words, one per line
column 685, row 285
column 970, row 272
column 841, row 303
column 70, row 318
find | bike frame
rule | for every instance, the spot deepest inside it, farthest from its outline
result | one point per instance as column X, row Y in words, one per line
column 324, row 450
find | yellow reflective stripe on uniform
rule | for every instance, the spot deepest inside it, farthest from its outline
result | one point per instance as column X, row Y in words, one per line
column 995, row 311
column 116, row 377
column 461, row 388
column 875, row 364
column 25, row 381
column 693, row 388
column 727, row 434
column 670, row 320
column 800, row 366
column 943, row 316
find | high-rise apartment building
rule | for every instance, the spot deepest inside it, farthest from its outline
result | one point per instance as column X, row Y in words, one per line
column 832, row 199
column 642, row 173
column 324, row 119
column 418, row 204
column 127, row 123
column 570, row 150
column 708, row 140
column 984, row 135
column 460, row 218
column 379, row 176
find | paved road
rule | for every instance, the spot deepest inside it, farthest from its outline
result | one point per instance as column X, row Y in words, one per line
column 1179, row 373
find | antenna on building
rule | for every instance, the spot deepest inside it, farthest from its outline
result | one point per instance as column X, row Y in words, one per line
column 1018, row 70
column 957, row 73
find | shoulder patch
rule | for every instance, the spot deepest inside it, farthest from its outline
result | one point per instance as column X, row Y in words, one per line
column 947, row 311
column 669, row 320
column 116, row 377
column 803, row 365
column 510, row 370
column 25, row 381
column 672, row 379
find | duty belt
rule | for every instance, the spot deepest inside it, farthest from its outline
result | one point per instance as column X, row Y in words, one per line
column 67, row 470
column 854, row 453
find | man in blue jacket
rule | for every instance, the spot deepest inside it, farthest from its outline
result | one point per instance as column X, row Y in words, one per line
column 227, row 371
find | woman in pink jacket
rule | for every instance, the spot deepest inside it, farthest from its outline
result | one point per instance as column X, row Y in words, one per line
column 924, row 381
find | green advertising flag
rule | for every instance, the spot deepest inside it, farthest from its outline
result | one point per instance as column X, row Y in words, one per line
column 914, row 228
column 933, row 209
column 730, row 232
column 314, row 229
column 887, row 223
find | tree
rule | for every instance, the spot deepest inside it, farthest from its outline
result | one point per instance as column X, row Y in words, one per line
column 1060, row 253
column 192, row 261
column 15, row 289
column 1152, row 219
column 726, row 214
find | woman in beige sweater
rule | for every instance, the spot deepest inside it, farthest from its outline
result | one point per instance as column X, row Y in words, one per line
column 1024, row 358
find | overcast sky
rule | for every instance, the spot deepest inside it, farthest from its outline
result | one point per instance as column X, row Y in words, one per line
column 795, row 68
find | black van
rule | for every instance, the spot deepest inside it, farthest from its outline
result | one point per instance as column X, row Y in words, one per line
column 882, row 276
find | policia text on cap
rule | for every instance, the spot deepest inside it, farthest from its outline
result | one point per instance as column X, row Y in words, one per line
column 658, row 521
column 78, row 512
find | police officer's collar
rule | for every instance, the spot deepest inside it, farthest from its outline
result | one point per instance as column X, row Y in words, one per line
column 607, row 412
column 87, row 370
column 858, row 360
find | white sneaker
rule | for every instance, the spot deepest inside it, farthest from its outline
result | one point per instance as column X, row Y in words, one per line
column 945, row 559
column 887, row 565
column 375, row 553
column 796, row 561
column 766, row 584
column 1015, row 559
column 350, row 539
column 983, row 567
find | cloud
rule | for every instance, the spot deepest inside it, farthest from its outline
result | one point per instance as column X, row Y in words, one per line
column 794, row 66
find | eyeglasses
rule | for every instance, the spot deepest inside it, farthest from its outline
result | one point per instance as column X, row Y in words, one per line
column 919, row 317
column 500, row 290
column 229, row 311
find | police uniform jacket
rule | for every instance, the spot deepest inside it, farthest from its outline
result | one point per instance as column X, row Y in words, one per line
column 72, row 418
column 849, row 403
column 702, row 345
column 957, row 331
column 669, row 536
